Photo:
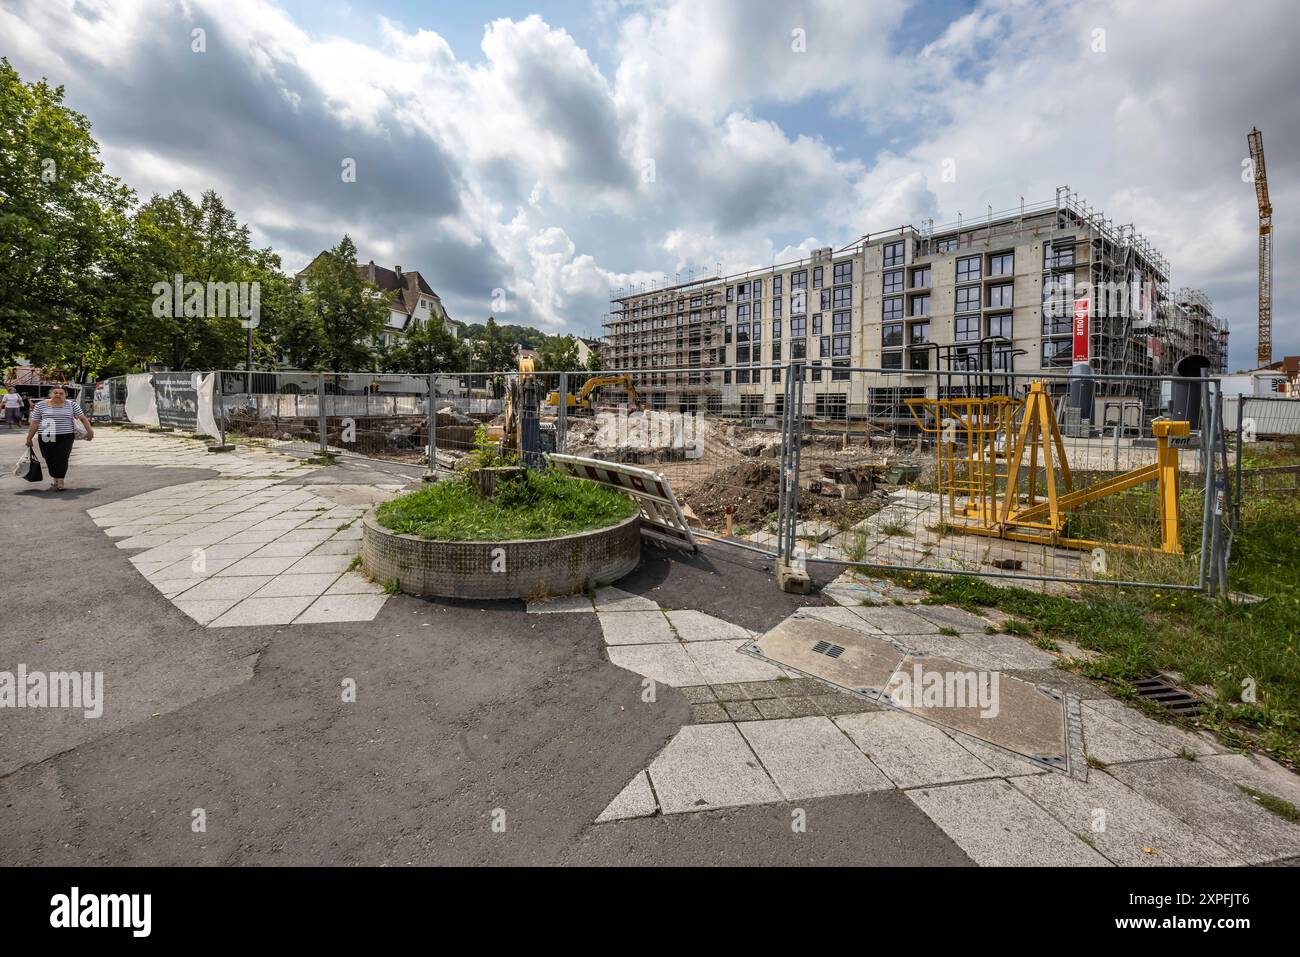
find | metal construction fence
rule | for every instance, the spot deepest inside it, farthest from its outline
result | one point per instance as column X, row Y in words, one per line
column 1038, row 476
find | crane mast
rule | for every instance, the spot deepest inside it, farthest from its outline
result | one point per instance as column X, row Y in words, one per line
column 1255, row 140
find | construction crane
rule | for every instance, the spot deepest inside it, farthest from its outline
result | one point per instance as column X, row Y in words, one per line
column 1255, row 140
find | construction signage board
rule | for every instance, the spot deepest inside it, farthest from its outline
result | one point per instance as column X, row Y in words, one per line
column 661, row 515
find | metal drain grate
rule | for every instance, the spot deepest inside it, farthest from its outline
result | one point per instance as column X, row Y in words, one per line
column 1173, row 699
column 827, row 649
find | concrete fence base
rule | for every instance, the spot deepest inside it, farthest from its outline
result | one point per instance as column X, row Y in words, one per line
column 522, row 568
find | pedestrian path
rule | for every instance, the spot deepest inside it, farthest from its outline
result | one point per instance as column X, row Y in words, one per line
column 244, row 549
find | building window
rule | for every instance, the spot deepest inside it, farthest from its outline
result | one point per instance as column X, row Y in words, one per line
column 817, row 324
column 1000, row 326
column 968, row 269
column 841, row 321
column 776, row 285
column 817, row 277
column 921, row 277
column 893, row 308
column 776, row 307
column 726, row 335
column 776, row 351
column 891, row 360
column 742, row 332
column 968, row 298
column 742, row 377
column 841, row 345
column 894, row 281
column 843, row 297
column 840, row 373
column 776, row 328
column 1058, row 352
column 825, row 299
column 946, row 245
column 1058, row 253
column 742, row 354
column 921, row 305
column 824, row 346
column 798, row 349
column 758, row 310
column 798, row 302
column 918, row 332
column 776, row 374
column 893, row 254
column 918, row 359
column 742, row 312
column 742, row 290
column 798, row 327
column 758, row 332
column 843, row 272
column 966, row 328
column 1000, row 296
column 891, row 334
column 799, row 280
column 1003, row 264
column 730, row 292
column 758, row 288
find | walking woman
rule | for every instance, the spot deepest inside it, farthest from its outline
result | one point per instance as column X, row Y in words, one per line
column 54, row 423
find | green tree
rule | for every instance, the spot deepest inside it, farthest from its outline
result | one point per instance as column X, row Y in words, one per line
column 493, row 349
column 560, row 354
column 61, row 215
column 594, row 361
column 344, row 312
column 429, row 347
column 185, row 281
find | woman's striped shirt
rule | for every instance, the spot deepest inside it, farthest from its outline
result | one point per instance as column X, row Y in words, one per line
column 56, row 421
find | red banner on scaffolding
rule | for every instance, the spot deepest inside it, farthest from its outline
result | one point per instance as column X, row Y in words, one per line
column 1081, row 329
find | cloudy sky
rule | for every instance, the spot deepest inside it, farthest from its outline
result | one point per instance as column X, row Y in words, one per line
column 527, row 157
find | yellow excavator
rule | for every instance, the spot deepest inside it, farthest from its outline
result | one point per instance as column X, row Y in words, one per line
column 584, row 401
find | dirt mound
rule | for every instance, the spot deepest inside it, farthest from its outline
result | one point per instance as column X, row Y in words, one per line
column 752, row 489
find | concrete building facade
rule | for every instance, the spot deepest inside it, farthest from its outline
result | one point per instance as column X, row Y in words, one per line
column 1038, row 289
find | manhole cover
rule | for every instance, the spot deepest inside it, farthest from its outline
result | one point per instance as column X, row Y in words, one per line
column 827, row 649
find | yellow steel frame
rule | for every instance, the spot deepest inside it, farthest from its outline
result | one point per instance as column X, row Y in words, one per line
column 987, row 501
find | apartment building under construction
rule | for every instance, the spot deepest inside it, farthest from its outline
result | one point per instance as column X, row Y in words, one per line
column 1044, row 287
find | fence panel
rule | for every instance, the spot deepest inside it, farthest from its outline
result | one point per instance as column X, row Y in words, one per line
column 1012, row 475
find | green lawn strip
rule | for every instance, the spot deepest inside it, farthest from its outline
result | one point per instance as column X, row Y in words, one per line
column 544, row 504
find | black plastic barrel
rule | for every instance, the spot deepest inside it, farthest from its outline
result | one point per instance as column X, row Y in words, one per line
column 1082, row 389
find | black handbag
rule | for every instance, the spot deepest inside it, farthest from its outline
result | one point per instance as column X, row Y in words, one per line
column 34, row 471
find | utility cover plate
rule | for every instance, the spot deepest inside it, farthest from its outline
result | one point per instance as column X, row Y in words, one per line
column 1028, row 720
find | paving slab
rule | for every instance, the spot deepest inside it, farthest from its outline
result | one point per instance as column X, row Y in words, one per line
column 314, row 564
column 354, row 583
column 205, row 610
column 289, row 586
column 610, row 598
column 635, row 800
column 1258, row 772
column 666, row 663
column 1214, row 807
column 866, row 662
column 1018, row 653
column 910, row 751
column 1004, row 763
column 258, row 566
column 811, row 757
column 1170, row 736
column 999, row 827
column 709, row 766
column 229, row 588
column 635, row 627
column 723, row 662
column 338, row 607
column 956, row 618
column 1125, row 827
column 698, row 626
column 840, row 615
column 1110, row 742
column 896, row 620
column 263, row 611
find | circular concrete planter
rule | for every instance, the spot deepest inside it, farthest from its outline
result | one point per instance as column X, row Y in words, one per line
column 522, row 568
